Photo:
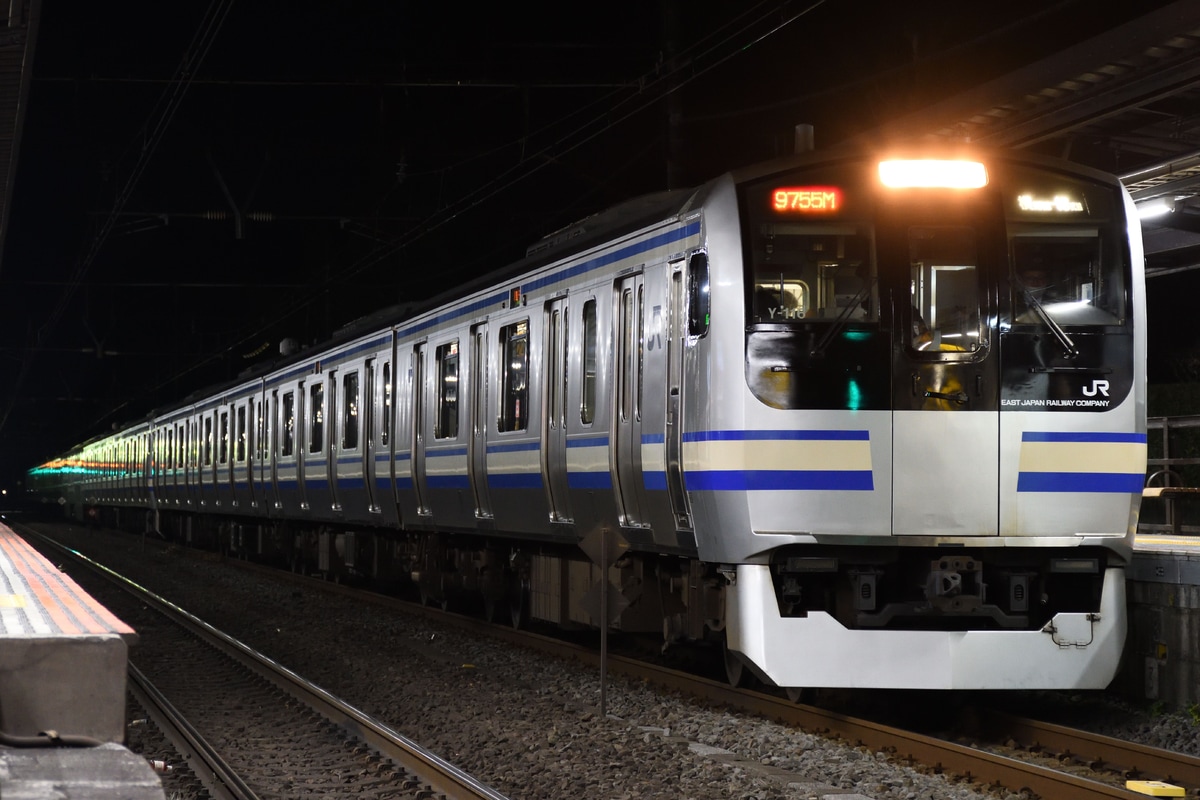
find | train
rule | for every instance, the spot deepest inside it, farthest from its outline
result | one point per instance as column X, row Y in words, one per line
column 859, row 417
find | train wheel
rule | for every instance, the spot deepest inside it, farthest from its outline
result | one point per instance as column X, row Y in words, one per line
column 735, row 668
column 801, row 694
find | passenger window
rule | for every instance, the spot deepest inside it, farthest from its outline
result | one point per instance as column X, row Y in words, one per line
column 385, row 429
column 316, row 429
column 288, row 439
column 239, row 454
column 514, row 389
column 945, row 290
column 587, row 409
column 350, row 411
column 208, row 441
column 446, row 426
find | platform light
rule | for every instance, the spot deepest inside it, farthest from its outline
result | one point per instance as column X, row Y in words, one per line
column 1154, row 208
column 932, row 174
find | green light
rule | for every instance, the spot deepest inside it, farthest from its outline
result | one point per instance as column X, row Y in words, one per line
column 853, row 395
column 856, row 336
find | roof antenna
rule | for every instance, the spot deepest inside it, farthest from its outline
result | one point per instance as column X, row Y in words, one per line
column 804, row 139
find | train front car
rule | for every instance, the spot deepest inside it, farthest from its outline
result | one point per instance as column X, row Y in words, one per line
column 930, row 475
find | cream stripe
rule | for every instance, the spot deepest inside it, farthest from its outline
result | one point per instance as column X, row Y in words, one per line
column 779, row 455
column 1123, row 457
column 520, row 461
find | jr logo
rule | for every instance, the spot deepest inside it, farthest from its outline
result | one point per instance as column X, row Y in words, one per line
column 1097, row 387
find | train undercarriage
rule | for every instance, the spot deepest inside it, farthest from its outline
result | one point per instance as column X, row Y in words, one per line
column 683, row 600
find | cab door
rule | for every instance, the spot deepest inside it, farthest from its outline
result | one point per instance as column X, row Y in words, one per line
column 945, row 400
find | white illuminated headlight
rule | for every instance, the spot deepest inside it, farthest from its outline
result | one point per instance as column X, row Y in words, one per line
column 933, row 173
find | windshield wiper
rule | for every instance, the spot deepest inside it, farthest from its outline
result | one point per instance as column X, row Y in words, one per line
column 836, row 326
column 1045, row 317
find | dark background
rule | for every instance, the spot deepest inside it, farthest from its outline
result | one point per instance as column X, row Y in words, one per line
column 198, row 182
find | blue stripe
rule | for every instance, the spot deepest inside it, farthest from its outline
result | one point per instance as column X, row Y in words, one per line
column 591, row 441
column 331, row 361
column 653, row 438
column 589, row 480
column 1082, row 436
column 404, row 484
column 567, row 273
column 779, row 480
column 637, row 248
column 447, row 482
column 655, row 481
column 758, row 436
column 515, row 480
column 1109, row 482
column 515, row 447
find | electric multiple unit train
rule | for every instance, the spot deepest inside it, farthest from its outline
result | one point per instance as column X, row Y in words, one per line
column 863, row 421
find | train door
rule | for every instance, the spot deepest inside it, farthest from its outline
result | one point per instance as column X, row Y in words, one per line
column 243, row 480
column 315, row 456
column 946, row 420
column 626, row 452
column 274, row 447
column 335, row 423
column 554, row 415
column 367, row 413
column 418, row 429
column 207, row 462
column 676, row 336
column 383, row 437
column 259, row 448
column 477, row 444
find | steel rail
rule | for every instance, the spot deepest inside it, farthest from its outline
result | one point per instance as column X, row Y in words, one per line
column 439, row 774
column 1135, row 760
column 218, row 778
column 937, row 754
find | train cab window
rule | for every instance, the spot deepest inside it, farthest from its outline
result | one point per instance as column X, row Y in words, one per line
column 287, row 440
column 587, row 408
column 316, row 420
column 446, row 426
column 1067, row 264
column 514, row 377
column 811, row 272
column 350, row 411
column 945, row 290
column 1057, row 272
column 385, row 427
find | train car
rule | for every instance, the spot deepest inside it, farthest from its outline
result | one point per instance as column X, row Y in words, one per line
column 863, row 418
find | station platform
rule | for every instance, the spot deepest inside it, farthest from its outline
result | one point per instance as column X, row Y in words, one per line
column 1162, row 651
column 63, row 661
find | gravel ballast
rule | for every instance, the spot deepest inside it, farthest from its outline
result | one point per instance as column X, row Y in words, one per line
column 529, row 725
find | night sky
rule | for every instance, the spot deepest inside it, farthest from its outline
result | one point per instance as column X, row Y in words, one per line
column 197, row 182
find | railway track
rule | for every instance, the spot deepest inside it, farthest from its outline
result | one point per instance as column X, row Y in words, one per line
column 1045, row 760
column 1029, row 755
column 249, row 727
